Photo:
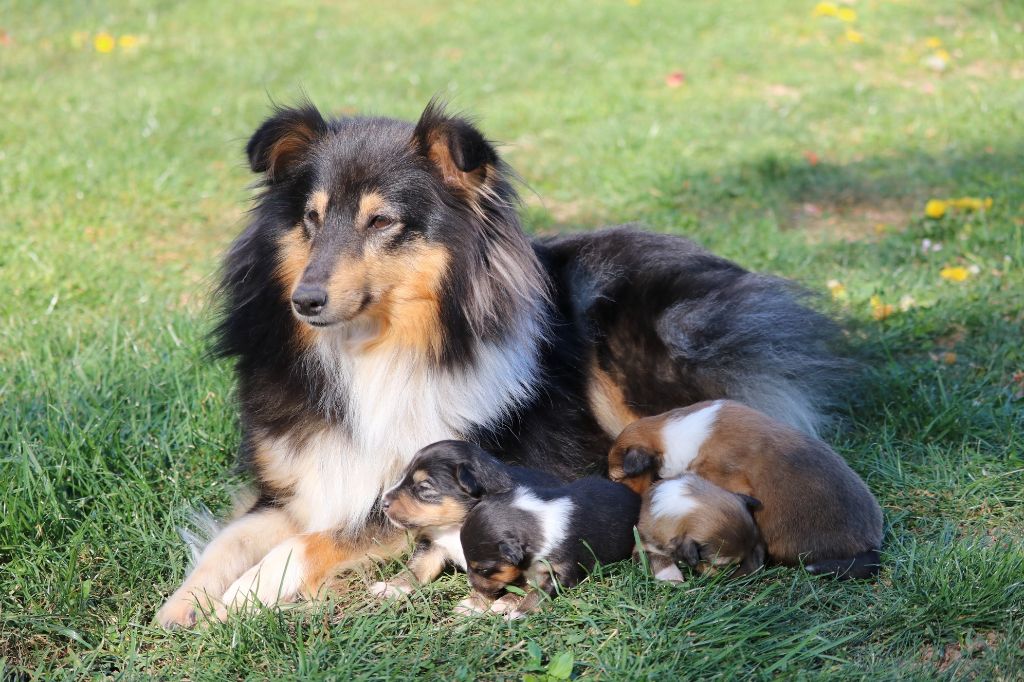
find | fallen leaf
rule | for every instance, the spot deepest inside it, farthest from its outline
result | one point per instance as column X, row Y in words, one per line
column 675, row 79
column 954, row 273
column 811, row 157
column 881, row 310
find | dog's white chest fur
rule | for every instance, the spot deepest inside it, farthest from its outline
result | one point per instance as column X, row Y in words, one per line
column 448, row 539
column 393, row 404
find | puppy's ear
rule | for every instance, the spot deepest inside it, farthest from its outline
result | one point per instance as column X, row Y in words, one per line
column 687, row 551
column 467, row 481
column 751, row 562
column 753, row 504
column 511, row 550
column 284, row 140
column 637, row 460
column 460, row 152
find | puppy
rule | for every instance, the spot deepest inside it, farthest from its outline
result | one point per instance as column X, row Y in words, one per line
column 441, row 485
column 537, row 538
column 815, row 509
column 690, row 520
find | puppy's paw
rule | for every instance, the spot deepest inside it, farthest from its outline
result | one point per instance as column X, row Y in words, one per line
column 670, row 573
column 390, row 590
column 470, row 606
column 505, row 604
column 180, row 611
column 514, row 614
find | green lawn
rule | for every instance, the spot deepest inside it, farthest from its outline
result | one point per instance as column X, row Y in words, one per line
column 789, row 146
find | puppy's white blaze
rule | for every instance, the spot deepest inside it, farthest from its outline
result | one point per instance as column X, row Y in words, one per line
column 670, row 573
column 276, row 578
column 553, row 515
column 672, row 498
column 392, row 405
column 452, row 545
column 683, row 438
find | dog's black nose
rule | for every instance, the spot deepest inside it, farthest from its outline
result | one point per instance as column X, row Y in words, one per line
column 309, row 300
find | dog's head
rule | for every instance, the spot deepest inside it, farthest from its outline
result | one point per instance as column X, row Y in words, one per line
column 701, row 525
column 391, row 231
column 442, row 484
column 496, row 542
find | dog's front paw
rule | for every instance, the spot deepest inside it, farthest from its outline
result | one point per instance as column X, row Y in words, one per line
column 179, row 611
column 471, row 606
column 506, row 603
column 514, row 614
column 390, row 590
column 670, row 573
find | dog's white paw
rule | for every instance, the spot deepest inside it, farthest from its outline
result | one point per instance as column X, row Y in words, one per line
column 670, row 573
column 506, row 603
column 514, row 614
column 390, row 590
column 470, row 607
column 179, row 611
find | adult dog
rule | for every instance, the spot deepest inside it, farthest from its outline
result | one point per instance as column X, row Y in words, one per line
column 384, row 296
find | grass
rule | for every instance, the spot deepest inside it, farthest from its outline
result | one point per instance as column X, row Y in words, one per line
column 787, row 148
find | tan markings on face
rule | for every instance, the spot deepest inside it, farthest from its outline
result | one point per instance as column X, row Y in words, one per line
column 318, row 202
column 370, row 205
column 408, row 308
column 419, row 476
column 643, row 433
column 293, row 257
column 506, row 575
column 406, row 509
column 608, row 402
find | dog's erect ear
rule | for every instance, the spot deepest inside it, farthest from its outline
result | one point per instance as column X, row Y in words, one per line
column 467, row 481
column 753, row 504
column 687, row 551
column 284, row 140
column 460, row 152
column 511, row 550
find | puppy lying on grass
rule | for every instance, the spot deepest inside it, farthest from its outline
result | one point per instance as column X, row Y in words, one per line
column 537, row 538
column 814, row 509
column 441, row 485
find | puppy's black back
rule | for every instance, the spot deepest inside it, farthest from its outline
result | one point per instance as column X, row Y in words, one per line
column 603, row 517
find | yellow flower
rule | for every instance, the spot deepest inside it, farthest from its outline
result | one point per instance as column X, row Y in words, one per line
column 933, row 42
column 128, row 42
column 104, row 42
column 971, row 203
column 836, row 288
column 847, row 14
column 853, row 36
column 880, row 310
column 942, row 54
column 825, row 9
column 632, row 3
column 954, row 273
column 935, row 208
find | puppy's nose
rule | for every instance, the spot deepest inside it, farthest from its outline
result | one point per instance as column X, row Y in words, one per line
column 309, row 300
column 384, row 503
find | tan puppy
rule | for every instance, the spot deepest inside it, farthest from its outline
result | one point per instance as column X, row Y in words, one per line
column 690, row 520
column 816, row 510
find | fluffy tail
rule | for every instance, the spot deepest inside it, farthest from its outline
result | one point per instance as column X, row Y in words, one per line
column 860, row 567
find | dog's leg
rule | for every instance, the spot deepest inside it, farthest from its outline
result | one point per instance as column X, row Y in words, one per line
column 426, row 564
column 231, row 552
column 665, row 568
column 473, row 605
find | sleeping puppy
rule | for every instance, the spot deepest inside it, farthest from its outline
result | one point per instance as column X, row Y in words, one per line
column 815, row 509
column 536, row 538
column 690, row 520
column 441, row 485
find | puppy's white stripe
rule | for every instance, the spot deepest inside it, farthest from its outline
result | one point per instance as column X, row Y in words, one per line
column 449, row 540
column 672, row 498
column 553, row 515
column 683, row 438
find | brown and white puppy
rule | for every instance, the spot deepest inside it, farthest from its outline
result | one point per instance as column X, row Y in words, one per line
column 439, row 488
column 693, row 521
column 816, row 510
column 538, row 538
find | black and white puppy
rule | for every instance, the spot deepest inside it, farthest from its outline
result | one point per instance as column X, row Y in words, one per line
column 539, row 537
column 439, row 488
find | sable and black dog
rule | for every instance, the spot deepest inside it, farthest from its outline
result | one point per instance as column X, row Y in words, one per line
column 543, row 538
column 384, row 297
column 441, row 486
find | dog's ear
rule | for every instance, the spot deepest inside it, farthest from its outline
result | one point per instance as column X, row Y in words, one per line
column 752, row 503
column 460, row 152
column 687, row 551
column 511, row 550
column 638, row 460
column 284, row 140
column 467, row 481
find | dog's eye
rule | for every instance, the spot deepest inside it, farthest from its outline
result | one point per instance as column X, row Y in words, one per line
column 313, row 216
column 379, row 222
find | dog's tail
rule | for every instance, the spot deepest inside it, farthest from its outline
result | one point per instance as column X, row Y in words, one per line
column 859, row 567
